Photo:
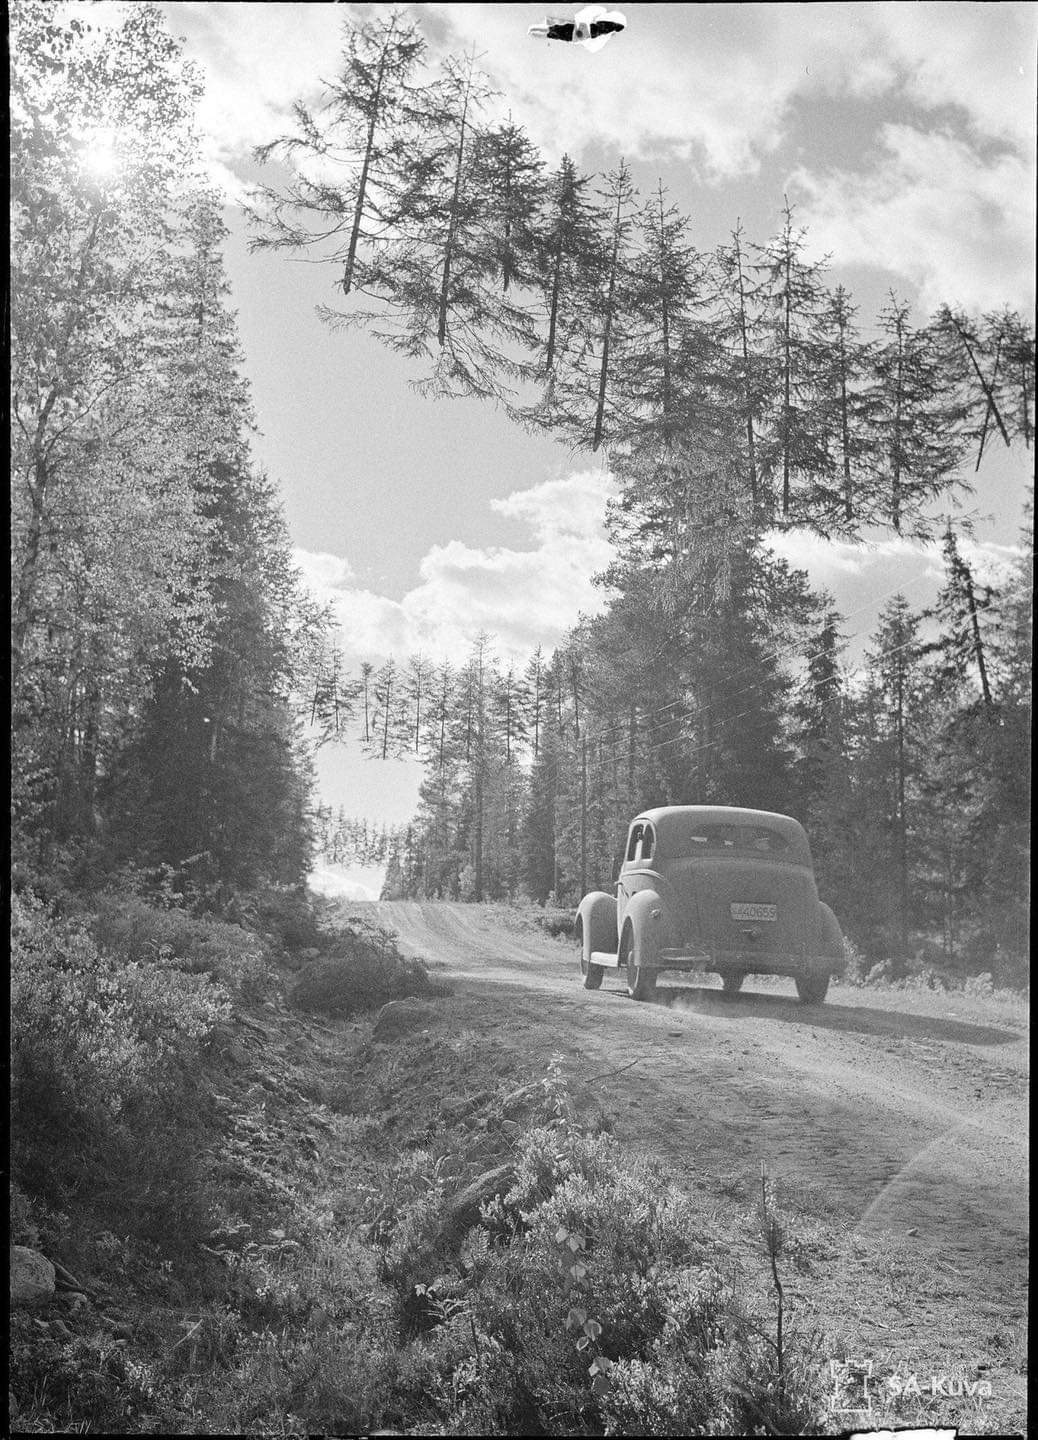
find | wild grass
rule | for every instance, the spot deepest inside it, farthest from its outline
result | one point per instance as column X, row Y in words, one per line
column 266, row 1222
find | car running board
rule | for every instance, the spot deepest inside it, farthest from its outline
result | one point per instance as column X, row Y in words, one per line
column 669, row 960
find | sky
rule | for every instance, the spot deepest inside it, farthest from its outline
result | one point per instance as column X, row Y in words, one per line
column 902, row 134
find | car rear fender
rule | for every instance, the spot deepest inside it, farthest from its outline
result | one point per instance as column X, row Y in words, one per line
column 831, row 944
column 596, row 923
column 646, row 917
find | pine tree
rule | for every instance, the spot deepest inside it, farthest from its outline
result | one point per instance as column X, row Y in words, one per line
column 1015, row 383
column 746, row 378
column 571, row 256
column 533, row 695
column 508, row 171
column 417, row 681
column 895, row 675
column 585, row 361
column 792, row 299
column 818, row 711
column 843, row 361
column 361, row 129
column 960, row 609
column 915, row 422
column 619, row 197
column 964, row 361
column 390, row 726
column 671, row 353
column 443, row 300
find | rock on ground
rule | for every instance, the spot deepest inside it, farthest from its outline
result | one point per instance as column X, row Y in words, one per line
column 32, row 1277
column 463, row 1211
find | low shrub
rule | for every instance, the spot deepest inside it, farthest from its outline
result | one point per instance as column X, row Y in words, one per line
column 107, row 1029
column 589, row 1299
column 134, row 931
column 296, row 918
column 78, row 1376
column 361, row 969
column 557, row 924
column 101, row 1049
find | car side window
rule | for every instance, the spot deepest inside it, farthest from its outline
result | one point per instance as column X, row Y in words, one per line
column 641, row 844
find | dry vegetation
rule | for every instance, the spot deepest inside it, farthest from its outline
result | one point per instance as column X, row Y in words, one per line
column 279, row 1225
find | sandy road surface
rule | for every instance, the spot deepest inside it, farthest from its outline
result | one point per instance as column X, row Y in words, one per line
column 908, row 1110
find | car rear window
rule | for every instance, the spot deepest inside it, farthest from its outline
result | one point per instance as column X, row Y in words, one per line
column 699, row 839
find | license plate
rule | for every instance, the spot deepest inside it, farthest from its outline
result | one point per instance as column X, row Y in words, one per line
column 753, row 912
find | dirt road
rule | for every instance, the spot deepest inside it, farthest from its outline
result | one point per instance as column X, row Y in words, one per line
column 906, row 1111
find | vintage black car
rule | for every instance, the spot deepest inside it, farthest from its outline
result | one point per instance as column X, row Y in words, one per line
column 712, row 888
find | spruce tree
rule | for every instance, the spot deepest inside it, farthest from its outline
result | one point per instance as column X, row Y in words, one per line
column 915, row 421
column 792, row 298
column 745, row 381
column 895, row 675
column 842, row 498
column 343, row 194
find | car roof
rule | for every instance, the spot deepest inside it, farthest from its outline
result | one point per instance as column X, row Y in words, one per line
column 667, row 818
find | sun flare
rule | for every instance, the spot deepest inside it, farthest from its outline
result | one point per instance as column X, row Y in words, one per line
column 100, row 153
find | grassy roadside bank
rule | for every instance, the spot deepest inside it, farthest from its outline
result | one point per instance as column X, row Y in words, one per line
column 334, row 1230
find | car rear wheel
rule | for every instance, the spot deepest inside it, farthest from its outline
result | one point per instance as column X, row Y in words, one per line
column 641, row 981
column 732, row 984
column 592, row 973
column 812, row 988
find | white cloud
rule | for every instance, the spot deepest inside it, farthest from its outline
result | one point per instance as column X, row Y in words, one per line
column 649, row 92
column 990, row 562
column 716, row 89
column 325, row 573
column 979, row 58
column 958, row 226
column 829, row 561
column 522, row 597
column 864, row 577
column 717, row 83
column 256, row 59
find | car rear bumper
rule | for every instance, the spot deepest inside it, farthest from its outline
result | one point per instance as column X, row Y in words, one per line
column 742, row 962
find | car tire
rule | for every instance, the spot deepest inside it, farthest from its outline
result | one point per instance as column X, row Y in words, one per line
column 732, row 984
column 592, row 973
column 641, row 981
column 812, row 989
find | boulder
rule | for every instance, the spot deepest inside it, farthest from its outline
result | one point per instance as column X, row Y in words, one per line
column 463, row 1210
column 399, row 1017
column 32, row 1277
column 521, row 1101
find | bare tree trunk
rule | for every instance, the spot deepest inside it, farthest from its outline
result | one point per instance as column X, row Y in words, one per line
column 787, row 383
column 369, row 144
column 751, row 445
column 902, row 821
column 978, row 644
column 845, row 430
column 448, row 255
column 895, row 458
column 989, row 393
